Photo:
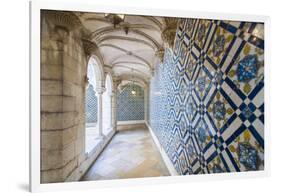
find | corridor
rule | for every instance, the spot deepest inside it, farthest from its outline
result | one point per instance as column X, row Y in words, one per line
column 197, row 84
column 131, row 154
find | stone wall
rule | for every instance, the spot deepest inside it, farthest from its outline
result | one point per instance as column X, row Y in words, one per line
column 63, row 68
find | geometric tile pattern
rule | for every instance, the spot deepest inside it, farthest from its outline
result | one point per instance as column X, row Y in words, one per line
column 207, row 97
column 129, row 106
column 91, row 105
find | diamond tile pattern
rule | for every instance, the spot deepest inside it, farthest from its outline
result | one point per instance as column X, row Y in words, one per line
column 91, row 105
column 206, row 101
column 129, row 106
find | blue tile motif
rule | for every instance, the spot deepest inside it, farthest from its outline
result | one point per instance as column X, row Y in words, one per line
column 247, row 68
column 219, row 110
column 247, row 112
column 219, row 45
column 248, row 156
column 202, row 136
column 206, row 100
column 130, row 107
column 91, row 105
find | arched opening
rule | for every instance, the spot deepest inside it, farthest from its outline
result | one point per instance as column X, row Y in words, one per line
column 107, row 106
column 91, row 107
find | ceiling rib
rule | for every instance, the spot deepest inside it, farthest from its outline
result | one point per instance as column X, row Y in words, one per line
column 121, row 26
column 136, row 63
column 105, row 30
column 138, row 57
column 130, row 68
column 127, row 53
column 128, row 76
column 154, row 20
column 110, row 37
column 135, row 49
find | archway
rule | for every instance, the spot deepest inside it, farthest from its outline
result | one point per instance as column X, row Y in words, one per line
column 94, row 77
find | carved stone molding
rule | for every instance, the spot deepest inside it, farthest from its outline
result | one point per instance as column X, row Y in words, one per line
column 90, row 47
column 169, row 32
column 100, row 90
column 61, row 23
column 85, row 33
column 64, row 19
column 116, row 81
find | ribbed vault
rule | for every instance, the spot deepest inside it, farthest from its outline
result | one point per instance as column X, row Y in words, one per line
column 131, row 48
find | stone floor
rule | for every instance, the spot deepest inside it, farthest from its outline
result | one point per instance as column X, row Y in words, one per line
column 130, row 154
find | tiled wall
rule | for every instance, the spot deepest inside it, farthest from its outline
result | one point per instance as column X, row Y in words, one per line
column 207, row 98
column 91, row 105
column 130, row 107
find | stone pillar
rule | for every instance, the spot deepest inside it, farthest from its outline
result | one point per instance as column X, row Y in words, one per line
column 99, row 92
column 61, row 95
column 145, row 103
column 116, row 82
column 113, row 110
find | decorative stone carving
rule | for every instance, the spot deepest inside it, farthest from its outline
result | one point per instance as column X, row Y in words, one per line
column 65, row 19
column 85, row 33
column 89, row 47
column 116, row 82
column 160, row 54
column 126, row 28
column 169, row 33
column 63, row 22
column 100, row 90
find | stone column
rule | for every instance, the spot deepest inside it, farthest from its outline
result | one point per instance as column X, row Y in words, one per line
column 145, row 103
column 99, row 92
column 60, row 105
column 116, row 82
column 113, row 110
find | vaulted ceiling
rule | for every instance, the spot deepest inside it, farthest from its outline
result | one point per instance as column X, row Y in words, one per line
column 129, row 48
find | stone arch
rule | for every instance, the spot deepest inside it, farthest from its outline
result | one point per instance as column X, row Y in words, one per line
column 94, row 57
column 94, row 88
column 97, row 65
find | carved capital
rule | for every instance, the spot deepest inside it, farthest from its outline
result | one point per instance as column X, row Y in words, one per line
column 89, row 47
column 62, row 22
column 169, row 32
column 65, row 19
column 100, row 90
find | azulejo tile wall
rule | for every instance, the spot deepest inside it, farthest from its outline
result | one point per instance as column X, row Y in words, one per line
column 91, row 107
column 207, row 98
column 130, row 107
